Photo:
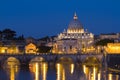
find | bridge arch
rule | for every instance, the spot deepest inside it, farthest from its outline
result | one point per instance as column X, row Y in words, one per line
column 11, row 61
column 91, row 61
column 38, row 59
column 65, row 59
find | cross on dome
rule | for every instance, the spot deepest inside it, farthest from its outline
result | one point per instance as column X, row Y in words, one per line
column 75, row 16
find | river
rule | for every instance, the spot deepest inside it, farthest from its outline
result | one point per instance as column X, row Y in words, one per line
column 64, row 69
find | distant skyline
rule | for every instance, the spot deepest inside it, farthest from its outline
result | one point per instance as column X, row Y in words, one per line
column 39, row 18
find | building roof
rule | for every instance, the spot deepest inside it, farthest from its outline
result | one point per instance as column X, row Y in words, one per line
column 108, row 34
column 75, row 23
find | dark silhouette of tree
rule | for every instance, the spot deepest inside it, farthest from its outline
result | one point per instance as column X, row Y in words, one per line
column 44, row 49
column 103, row 42
column 8, row 34
column 45, row 39
column 20, row 38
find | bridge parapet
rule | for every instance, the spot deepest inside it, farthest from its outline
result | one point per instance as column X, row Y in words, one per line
column 98, row 56
column 50, row 57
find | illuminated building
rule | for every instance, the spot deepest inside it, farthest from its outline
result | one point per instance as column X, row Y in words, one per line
column 109, row 36
column 12, row 47
column 73, row 40
column 113, row 48
column 9, row 49
column 31, row 48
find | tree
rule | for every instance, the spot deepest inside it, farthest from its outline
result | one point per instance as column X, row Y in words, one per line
column 8, row 34
column 20, row 37
column 45, row 38
column 44, row 49
column 104, row 42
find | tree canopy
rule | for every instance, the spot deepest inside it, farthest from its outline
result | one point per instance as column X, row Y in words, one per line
column 44, row 49
column 8, row 34
column 103, row 42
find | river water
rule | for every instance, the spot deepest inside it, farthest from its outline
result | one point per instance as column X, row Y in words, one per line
column 61, row 70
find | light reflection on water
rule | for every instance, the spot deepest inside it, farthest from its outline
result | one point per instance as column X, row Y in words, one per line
column 12, row 68
column 64, row 69
column 92, row 72
column 39, row 70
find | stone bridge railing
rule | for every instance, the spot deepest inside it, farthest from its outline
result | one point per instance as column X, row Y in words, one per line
column 50, row 57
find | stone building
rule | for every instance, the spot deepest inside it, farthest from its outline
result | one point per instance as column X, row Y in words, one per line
column 31, row 49
column 73, row 40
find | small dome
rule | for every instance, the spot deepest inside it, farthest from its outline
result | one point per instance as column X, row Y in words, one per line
column 75, row 24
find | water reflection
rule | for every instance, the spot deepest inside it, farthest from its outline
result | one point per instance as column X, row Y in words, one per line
column 92, row 68
column 92, row 72
column 65, row 68
column 113, row 77
column 12, row 68
column 39, row 70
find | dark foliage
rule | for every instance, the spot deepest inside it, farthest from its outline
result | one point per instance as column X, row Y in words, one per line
column 44, row 49
column 103, row 42
column 8, row 34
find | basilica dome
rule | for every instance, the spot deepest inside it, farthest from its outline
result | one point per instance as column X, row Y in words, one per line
column 75, row 26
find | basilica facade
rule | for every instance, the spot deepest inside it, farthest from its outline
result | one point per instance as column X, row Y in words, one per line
column 74, row 40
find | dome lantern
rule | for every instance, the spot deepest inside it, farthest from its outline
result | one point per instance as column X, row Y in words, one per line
column 75, row 16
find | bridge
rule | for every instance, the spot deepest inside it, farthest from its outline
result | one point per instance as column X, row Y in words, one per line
column 26, row 58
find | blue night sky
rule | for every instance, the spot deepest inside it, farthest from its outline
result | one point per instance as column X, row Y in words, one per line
column 39, row 18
